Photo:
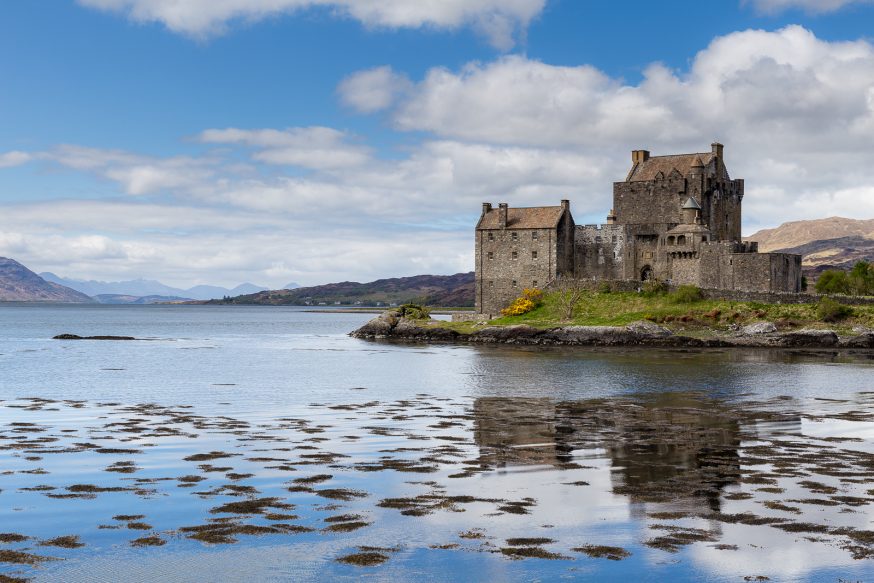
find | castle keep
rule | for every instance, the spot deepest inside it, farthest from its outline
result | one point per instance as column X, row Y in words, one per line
column 675, row 218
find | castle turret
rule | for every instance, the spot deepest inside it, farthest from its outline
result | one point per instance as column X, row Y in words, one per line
column 691, row 212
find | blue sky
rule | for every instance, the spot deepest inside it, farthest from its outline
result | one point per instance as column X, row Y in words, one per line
column 322, row 140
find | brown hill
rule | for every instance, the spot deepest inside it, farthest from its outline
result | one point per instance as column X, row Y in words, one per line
column 19, row 284
column 433, row 290
column 798, row 233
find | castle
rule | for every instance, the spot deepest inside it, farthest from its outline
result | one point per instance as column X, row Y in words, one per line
column 675, row 218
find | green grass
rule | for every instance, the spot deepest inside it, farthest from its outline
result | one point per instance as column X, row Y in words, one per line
column 621, row 308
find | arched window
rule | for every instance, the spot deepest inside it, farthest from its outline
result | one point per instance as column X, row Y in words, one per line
column 681, row 240
column 671, row 240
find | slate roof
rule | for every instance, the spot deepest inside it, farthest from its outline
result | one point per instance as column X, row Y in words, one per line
column 538, row 217
column 692, row 204
column 666, row 164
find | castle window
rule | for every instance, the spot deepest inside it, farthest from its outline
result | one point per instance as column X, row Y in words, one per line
column 534, row 255
column 515, row 255
column 681, row 240
column 491, row 283
column 534, row 235
column 491, row 255
column 514, row 236
column 534, row 283
column 514, row 283
column 671, row 240
column 491, row 236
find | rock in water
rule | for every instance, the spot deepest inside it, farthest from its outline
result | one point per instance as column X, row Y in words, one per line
column 75, row 337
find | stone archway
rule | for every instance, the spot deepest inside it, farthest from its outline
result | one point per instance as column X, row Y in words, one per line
column 646, row 273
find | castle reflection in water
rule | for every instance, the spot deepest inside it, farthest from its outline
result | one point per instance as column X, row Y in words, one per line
column 666, row 448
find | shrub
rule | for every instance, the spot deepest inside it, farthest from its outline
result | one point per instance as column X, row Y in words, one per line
column 654, row 287
column 604, row 287
column 530, row 299
column 685, row 294
column 414, row 312
column 829, row 310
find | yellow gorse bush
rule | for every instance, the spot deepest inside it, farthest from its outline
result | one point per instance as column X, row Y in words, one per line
column 529, row 300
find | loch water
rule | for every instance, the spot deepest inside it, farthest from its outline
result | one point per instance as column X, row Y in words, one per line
column 236, row 443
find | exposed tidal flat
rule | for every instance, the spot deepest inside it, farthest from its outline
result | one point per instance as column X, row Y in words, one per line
column 254, row 443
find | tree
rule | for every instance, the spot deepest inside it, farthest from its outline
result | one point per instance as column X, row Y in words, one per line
column 861, row 279
column 567, row 291
column 833, row 282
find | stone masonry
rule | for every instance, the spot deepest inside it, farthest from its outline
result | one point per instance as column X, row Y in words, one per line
column 675, row 218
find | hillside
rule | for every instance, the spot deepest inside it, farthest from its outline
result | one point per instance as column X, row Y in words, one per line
column 433, row 290
column 19, row 284
column 842, row 253
column 798, row 233
column 147, row 288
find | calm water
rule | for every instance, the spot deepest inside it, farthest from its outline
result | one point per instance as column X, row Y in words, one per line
column 697, row 466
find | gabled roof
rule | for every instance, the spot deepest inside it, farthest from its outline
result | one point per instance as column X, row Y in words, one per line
column 683, row 163
column 538, row 217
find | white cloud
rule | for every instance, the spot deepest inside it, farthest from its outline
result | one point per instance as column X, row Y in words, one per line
column 121, row 244
column 384, row 218
column 136, row 174
column 498, row 20
column 318, row 148
column 796, row 114
column 373, row 90
column 14, row 158
column 812, row 6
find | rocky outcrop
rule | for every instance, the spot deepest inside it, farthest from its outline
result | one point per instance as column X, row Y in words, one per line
column 390, row 326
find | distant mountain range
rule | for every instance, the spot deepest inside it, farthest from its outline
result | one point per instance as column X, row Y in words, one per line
column 434, row 290
column 798, row 233
column 19, row 284
column 139, row 288
column 832, row 243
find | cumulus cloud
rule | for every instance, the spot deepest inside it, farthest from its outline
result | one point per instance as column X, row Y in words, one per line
column 812, row 6
column 373, row 90
column 796, row 113
column 498, row 20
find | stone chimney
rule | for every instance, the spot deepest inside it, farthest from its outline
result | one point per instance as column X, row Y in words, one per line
column 566, row 204
column 639, row 156
column 487, row 206
column 611, row 218
column 502, row 217
column 717, row 149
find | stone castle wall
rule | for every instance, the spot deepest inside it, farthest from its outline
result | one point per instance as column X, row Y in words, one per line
column 599, row 251
column 510, row 260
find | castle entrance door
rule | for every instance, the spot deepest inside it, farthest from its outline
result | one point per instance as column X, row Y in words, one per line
column 646, row 273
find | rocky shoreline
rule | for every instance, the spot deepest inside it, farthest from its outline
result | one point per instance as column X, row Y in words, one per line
column 643, row 333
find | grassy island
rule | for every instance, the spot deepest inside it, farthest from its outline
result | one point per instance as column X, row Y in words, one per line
column 683, row 310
